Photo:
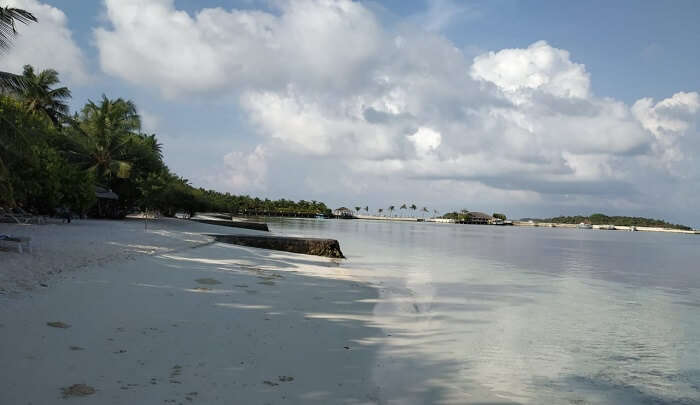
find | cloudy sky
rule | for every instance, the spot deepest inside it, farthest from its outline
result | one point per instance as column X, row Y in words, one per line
column 529, row 108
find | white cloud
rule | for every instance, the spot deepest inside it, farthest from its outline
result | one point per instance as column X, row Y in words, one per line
column 425, row 140
column 322, row 78
column 311, row 41
column 539, row 66
column 668, row 120
column 45, row 44
column 245, row 172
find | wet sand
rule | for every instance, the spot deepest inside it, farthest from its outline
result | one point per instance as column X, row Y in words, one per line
column 194, row 323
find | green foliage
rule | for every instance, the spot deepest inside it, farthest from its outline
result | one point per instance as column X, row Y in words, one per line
column 102, row 136
column 41, row 97
column 499, row 216
column 9, row 16
column 463, row 215
column 33, row 172
column 602, row 219
column 45, row 166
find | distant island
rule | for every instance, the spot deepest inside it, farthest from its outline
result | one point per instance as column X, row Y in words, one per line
column 602, row 219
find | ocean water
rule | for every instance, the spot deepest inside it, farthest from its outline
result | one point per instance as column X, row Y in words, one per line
column 510, row 315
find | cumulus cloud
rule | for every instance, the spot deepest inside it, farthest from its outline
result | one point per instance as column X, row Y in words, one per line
column 425, row 140
column 309, row 41
column 246, row 171
column 323, row 78
column 538, row 67
column 668, row 120
column 46, row 44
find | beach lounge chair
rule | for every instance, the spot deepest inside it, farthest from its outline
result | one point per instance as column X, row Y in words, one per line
column 19, row 216
column 19, row 241
column 8, row 217
column 29, row 217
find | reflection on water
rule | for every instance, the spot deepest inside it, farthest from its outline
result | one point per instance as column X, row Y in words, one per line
column 525, row 315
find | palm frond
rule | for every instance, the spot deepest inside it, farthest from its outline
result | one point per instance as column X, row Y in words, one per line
column 12, row 83
column 120, row 168
column 8, row 17
column 60, row 93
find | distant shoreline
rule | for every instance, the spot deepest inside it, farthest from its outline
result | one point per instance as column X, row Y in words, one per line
column 536, row 224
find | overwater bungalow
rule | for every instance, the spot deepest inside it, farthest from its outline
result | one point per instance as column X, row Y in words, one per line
column 343, row 212
column 477, row 218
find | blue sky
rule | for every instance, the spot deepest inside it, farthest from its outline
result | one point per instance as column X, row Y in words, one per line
column 633, row 48
column 532, row 108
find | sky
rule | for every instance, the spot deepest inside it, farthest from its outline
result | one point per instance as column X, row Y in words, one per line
column 531, row 108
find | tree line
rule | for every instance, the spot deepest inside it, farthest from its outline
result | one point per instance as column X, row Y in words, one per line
column 602, row 219
column 51, row 159
column 466, row 215
column 392, row 208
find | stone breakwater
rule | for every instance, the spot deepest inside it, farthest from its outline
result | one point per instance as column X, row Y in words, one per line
column 307, row 246
column 256, row 226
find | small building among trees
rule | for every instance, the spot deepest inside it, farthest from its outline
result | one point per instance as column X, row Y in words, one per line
column 343, row 212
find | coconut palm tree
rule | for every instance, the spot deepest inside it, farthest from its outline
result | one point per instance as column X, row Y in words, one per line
column 380, row 211
column 425, row 211
column 156, row 147
column 103, row 137
column 391, row 210
column 38, row 97
column 9, row 16
column 366, row 210
column 413, row 207
column 357, row 209
column 403, row 207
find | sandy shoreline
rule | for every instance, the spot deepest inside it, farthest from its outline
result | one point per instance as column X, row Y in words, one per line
column 60, row 248
column 167, row 316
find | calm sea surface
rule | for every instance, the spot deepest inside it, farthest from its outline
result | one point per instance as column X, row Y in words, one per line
column 506, row 315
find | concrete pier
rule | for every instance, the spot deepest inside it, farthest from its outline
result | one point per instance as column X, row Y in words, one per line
column 257, row 226
column 307, row 246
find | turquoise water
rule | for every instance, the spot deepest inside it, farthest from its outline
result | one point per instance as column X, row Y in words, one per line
column 506, row 315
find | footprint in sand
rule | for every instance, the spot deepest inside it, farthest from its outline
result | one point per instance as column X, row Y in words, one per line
column 77, row 390
column 208, row 281
column 58, row 325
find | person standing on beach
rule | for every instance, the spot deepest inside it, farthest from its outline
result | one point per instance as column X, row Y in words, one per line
column 65, row 214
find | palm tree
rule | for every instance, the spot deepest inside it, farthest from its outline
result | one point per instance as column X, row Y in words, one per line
column 425, row 211
column 40, row 98
column 366, row 209
column 357, row 209
column 8, row 17
column 413, row 207
column 391, row 210
column 380, row 211
column 403, row 207
column 103, row 136
column 156, row 147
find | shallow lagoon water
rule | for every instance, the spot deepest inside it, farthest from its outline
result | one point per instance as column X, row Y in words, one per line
column 509, row 315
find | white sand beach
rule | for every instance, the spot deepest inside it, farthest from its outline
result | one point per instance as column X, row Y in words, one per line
column 168, row 316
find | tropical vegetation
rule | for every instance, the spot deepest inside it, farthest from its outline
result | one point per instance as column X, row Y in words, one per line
column 50, row 159
column 602, row 219
column 9, row 17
